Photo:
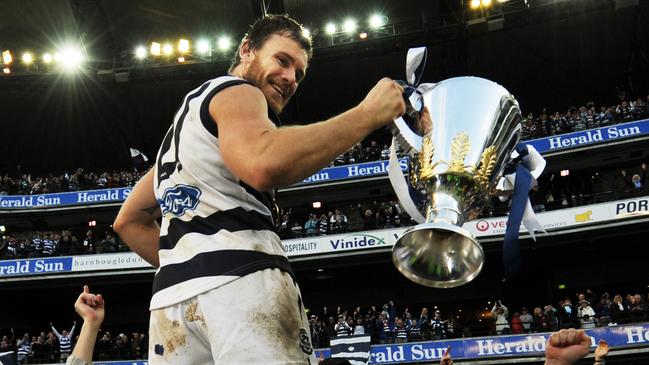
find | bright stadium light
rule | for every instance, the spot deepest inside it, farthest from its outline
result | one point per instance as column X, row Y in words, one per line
column 224, row 43
column 6, row 70
column 167, row 49
column 183, row 46
column 47, row 58
column 27, row 58
column 377, row 21
column 57, row 57
column 475, row 4
column 140, row 52
column 7, row 58
column 330, row 28
column 181, row 59
column 203, row 46
column 155, row 48
column 350, row 25
column 363, row 35
column 486, row 2
column 306, row 32
column 71, row 57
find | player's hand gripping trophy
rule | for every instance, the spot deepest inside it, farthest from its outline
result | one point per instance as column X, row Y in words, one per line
column 453, row 170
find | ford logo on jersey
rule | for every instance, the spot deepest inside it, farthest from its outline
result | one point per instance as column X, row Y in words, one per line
column 179, row 199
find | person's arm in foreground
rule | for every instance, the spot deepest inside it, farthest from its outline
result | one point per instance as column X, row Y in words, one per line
column 566, row 347
column 136, row 221
column 266, row 157
column 91, row 308
column 600, row 352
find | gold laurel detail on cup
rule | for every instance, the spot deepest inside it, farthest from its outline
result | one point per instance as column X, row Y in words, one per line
column 459, row 148
column 487, row 164
column 426, row 154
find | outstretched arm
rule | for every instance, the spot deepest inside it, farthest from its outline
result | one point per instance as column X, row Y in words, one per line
column 91, row 308
column 56, row 333
column 136, row 221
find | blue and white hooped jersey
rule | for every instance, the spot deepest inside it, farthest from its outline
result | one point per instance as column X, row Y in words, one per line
column 215, row 228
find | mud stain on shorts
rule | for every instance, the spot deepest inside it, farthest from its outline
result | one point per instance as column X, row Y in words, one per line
column 171, row 333
column 279, row 319
column 192, row 313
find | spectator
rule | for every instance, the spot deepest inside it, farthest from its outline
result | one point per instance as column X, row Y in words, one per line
column 65, row 340
column 603, row 311
column 586, row 314
column 311, row 226
column 438, row 326
column 89, row 242
column 359, row 328
column 108, row 244
column 501, row 313
column 342, row 328
column 91, row 308
column 636, row 183
column 323, row 225
column 526, row 319
column 517, row 325
column 401, row 331
column 297, row 230
column 338, row 222
column 619, row 310
column 424, row 324
column 24, row 346
column 567, row 314
column 385, row 329
column 539, row 323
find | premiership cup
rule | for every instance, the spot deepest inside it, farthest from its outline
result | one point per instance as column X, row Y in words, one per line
column 453, row 172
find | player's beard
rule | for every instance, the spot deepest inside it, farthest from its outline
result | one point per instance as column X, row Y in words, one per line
column 254, row 75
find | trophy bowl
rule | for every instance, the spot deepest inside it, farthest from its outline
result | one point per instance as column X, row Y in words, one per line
column 453, row 174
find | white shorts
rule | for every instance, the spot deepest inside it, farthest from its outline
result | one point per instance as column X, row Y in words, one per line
column 257, row 319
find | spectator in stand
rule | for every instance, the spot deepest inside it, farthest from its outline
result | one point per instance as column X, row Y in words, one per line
column 342, row 328
column 24, row 346
column 297, row 230
column 414, row 332
column 385, row 152
column 526, row 319
column 338, row 222
column 539, row 323
column 385, row 329
column 501, row 313
column 567, row 314
column 323, row 225
column 49, row 244
column 603, row 311
column 619, row 310
column 438, row 326
column 516, row 325
column 368, row 216
column 89, row 242
column 311, row 226
column 637, row 309
column 65, row 340
column 624, row 112
column 636, row 183
column 586, row 314
column 284, row 226
column 108, row 244
column 423, row 322
column 401, row 333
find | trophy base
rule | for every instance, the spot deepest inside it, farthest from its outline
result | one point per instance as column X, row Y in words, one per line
column 438, row 255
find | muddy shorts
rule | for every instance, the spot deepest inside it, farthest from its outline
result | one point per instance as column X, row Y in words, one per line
column 257, row 319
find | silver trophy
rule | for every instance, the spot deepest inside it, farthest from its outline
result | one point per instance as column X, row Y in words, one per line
column 454, row 170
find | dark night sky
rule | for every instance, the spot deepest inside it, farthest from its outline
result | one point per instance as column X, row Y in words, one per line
column 57, row 123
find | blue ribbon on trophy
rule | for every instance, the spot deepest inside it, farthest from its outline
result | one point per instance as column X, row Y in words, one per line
column 453, row 170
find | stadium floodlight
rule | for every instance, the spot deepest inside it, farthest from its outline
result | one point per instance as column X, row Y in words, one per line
column 7, row 58
column 203, row 46
column 71, row 57
column 27, row 58
column 224, row 43
column 486, row 2
column 3, row 229
column 317, row 205
column 377, row 21
column 183, row 46
column 57, row 57
column 306, row 32
column 6, row 70
column 155, row 48
column 181, row 59
column 167, row 49
column 330, row 28
column 363, row 35
column 47, row 58
column 475, row 4
column 140, row 52
column 350, row 25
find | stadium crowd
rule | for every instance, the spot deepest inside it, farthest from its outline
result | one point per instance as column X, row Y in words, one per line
column 386, row 324
column 45, row 347
column 584, row 117
column 390, row 324
column 21, row 183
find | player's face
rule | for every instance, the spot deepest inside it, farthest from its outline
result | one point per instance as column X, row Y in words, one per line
column 277, row 69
